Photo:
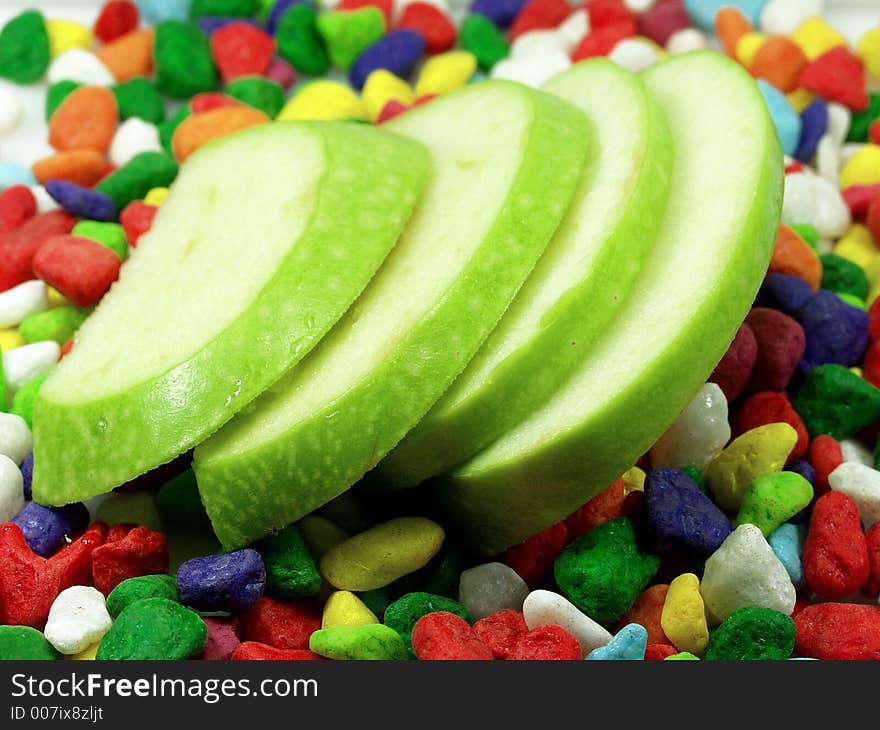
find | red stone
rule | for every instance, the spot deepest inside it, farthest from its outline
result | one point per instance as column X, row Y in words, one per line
column 662, row 20
column 602, row 41
column 442, row 635
column 872, row 539
column 80, row 268
column 605, row 506
column 837, row 75
column 136, row 219
column 838, row 631
column 835, row 551
column 18, row 247
column 210, row 100
column 385, row 6
column 539, row 15
column 546, row 642
column 130, row 551
column 769, row 406
column 858, row 199
column 255, row 651
column 655, row 652
column 117, row 18
column 282, row 624
column 734, row 369
column 240, row 49
column 781, row 343
column 17, row 204
column 501, row 630
column 825, row 455
column 435, row 25
column 533, row 558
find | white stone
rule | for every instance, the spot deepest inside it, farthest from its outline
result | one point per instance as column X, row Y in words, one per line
column 491, row 587
column 849, row 150
column 532, row 71
column 29, row 297
column 574, row 29
column 815, row 200
column 546, row 607
column 639, row 6
column 839, row 120
column 16, row 439
column 536, row 43
column 853, row 450
column 78, row 619
column 45, row 202
column 828, row 158
column 862, row 483
column 23, row 364
column 11, row 109
column 11, row 489
column 783, row 17
column 82, row 66
column 132, row 137
column 745, row 571
column 685, row 40
column 634, row 55
column 698, row 434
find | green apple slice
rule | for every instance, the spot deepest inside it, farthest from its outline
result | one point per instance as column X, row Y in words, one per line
column 580, row 281
column 507, row 160
column 700, row 279
column 266, row 239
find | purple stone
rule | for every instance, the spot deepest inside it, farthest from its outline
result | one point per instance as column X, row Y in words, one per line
column 398, row 52
column 82, row 202
column 500, row 12
column 814, row 125
column 230, row 582
column 835, row 331
column 27, row 474
column 45, row 528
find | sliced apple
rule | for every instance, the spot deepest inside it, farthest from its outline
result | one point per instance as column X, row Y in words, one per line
column 717, row 234
column 507, row 160
column 581, row 280
column 266, row 239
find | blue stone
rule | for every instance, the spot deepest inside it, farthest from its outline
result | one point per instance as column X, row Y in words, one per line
column 155, row 11
column 784, row 292
column 500, row 12
column 703, row 12
column 680, row 516
column 229, row 582
column 27, row 474
column 211, row 23
column 835, row 331
column 804, row 468
column 45, row 528
column 11, row 173
column 786, row 120
column 281, row 7
column 398, row 52
column 814, row 124
column 628, row 644
column 82, row 202
column 787, row 543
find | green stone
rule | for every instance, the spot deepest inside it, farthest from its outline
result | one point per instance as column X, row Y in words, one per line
column 57, row 93
column 111, row 235
column 179, row 502
column 24, row 48
column 19, row 643
column 861, row 121
column 403, row 614
column 808, row 232
column 154, row 629
column 298, row 41
column 772, row 499
column 347, row 34
column 137, row 177
column 696, row 475
column 682, row 656
column 853, row 301
column 833, row 400
column 481, row 36
column 59, row 324
column 169, row 126
column 230, row 8
column 440, row 576
column 752, row 633
column 843, row 276
column 263, row 94
column 140, row 588
column 373, row 641
column 24, row 399
column 140, row 98
column 290, row 570
column 184, row 65
column 604, row 570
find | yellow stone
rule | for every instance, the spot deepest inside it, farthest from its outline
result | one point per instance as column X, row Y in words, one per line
column 857, row 245
column 816, row 37
column 748, row 46
column 381, row 87
column 868, row 50
column 446, row 72
column 382, row 554
column 156, row 196
column 857, row 371
column 320, row 534
column 633, row 480
column 86, row 655
column 758, row 451
column 65, row 35
column 800, row 99
column 683, row 618
column 56, row 298
column 344, row 608
column 324, row 100
column 10, row 339
column 863, row 168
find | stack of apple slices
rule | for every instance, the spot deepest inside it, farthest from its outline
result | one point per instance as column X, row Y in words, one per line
column 541, row 307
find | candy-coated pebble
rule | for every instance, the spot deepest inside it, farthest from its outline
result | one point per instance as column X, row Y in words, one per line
column 282, row 624
column 862, row 484
column 628, row 644
column 383, row 87
column 753, row 633
column 382, row 554
column 760, row 451
column 698, row 434
column 77, row 620
column 232, row 582
column 402, row 614
column 24, row 47
column 647, row 611
column 491, row 587
column 87, row 118
column 348, row 34
column 23, row 643
column 130, row 56
column 548, row 642
column 86, row 655
column 222, row 639
column 542, row 607
column 868, row 51
column 787, row 542
column 290, row 568
column 200, row 129
column 816, row 37
column 838, row 631
column 154, row 628
column 445, row 636
column 445, row 72
column 368, row 642
column 67, row 34
column 344, row 608
column 133, row 137
column 684, row 615
column 128, row 553
column 81, row 66
column 134, row 508
column 139, row 588
column 19, row 302
column 748, row 47
column 834, row 401
column 771, row 499
column 23, row 364
column 863, row 168
column 324, row 100
column 500, row 631
column 82, row 166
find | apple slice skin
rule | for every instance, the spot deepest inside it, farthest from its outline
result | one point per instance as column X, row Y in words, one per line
column 89, row 448
column 499, row 499
column 250, row 494
column 463, row 423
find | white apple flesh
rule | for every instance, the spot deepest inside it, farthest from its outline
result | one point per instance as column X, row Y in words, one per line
column 717, row 235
